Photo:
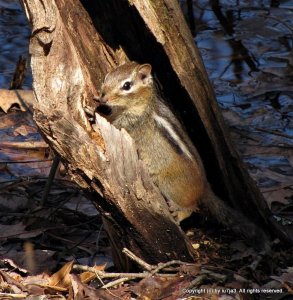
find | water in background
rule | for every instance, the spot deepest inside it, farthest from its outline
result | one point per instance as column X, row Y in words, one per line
column 246, row 46
column 14, row 40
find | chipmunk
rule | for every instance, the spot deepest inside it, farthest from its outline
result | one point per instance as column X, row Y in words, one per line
column 129, row 99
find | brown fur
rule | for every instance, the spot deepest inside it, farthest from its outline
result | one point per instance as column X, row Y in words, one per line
column 170, row 157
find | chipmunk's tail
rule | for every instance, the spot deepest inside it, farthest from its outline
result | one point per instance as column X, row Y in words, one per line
column 236, row 221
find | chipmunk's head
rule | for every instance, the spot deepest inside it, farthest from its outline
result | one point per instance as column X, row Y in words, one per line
column 128, row 88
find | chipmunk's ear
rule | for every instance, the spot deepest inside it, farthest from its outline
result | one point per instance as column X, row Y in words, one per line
column 144, row 71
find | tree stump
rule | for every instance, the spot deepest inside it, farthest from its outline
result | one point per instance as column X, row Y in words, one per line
column 73, row 45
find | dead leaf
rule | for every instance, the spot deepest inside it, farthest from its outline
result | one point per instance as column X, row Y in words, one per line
column 88, row 276
column 8, row 279
column 43, row 259
column 286, row 277
column 80, row 291
column 24, row 130
column 280, row 195
column 36, row 281
column 156, row 287
column 250, row 27
column 24, row 98
column 62, row 279
column 11, row 265
column 17, row 230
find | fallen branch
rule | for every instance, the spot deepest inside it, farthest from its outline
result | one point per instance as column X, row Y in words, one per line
column 103, row 274
column 24, row 144
column 12, row 296
column 138, row 260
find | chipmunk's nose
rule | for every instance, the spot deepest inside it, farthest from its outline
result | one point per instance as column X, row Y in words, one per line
column 102, row 99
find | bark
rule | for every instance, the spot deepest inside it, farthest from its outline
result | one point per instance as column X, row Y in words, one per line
column 72, row 50
column 69, row 59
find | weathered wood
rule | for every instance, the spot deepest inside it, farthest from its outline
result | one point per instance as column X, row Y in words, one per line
column 156, row 32
column 71, row 53
column 103, row 162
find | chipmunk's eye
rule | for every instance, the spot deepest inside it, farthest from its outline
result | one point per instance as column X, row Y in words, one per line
column 127, row 85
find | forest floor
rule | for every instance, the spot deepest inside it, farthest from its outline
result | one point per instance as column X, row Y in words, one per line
column 45, row 249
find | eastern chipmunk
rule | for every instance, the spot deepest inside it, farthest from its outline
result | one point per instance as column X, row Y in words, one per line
column 129, row 100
